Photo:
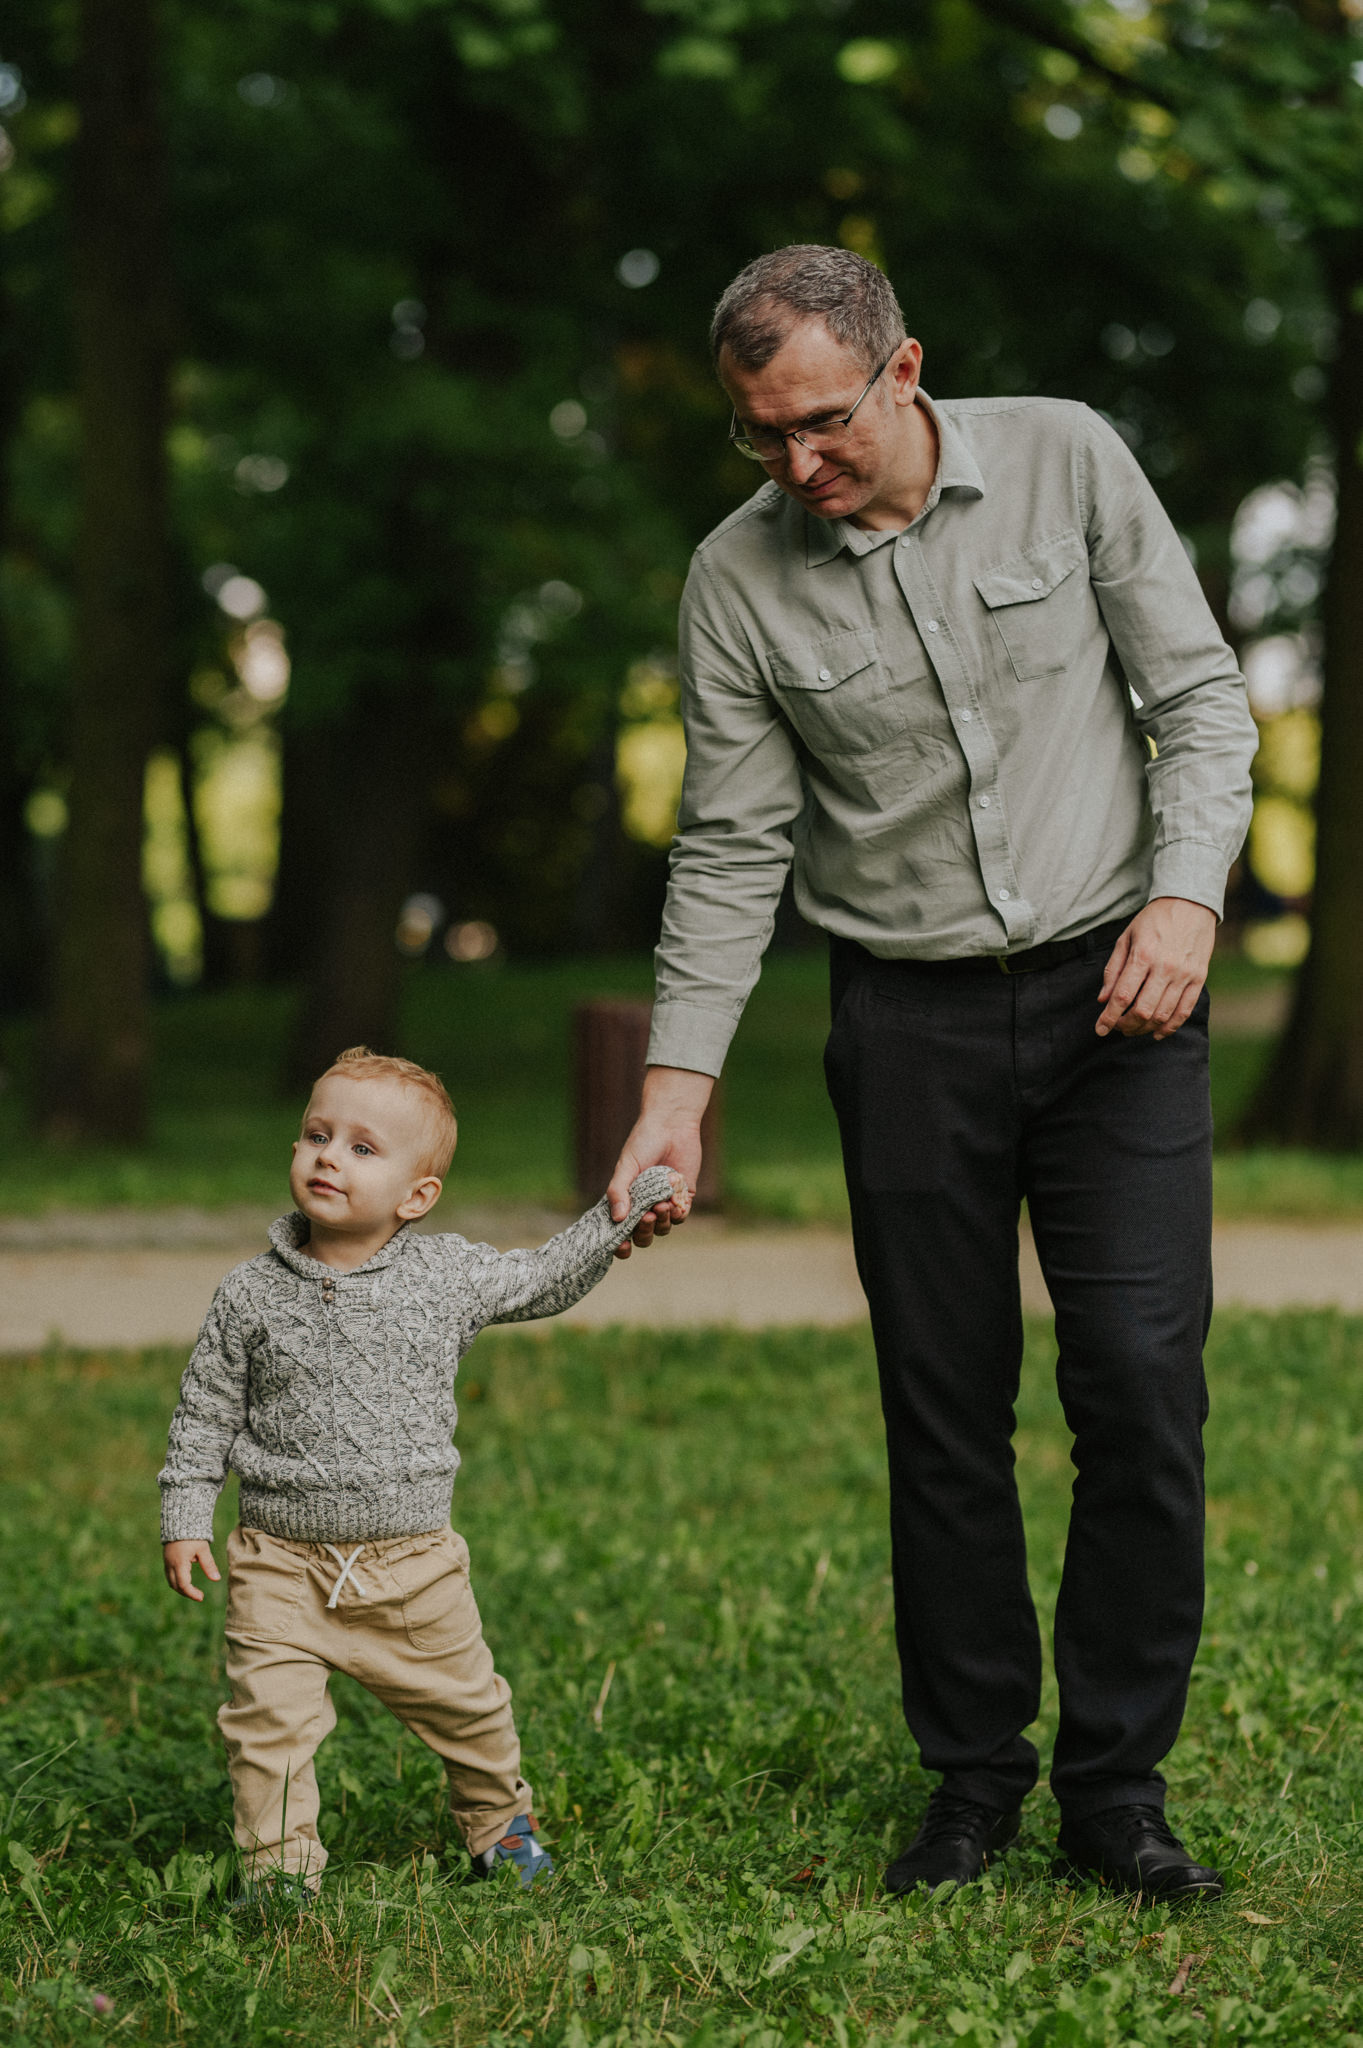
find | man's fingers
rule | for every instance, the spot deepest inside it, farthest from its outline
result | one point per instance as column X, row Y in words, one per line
column 1115, row 963
column 1183, row 1010
column 1170, row 997
column 1144, row 1011
column 1123, row 994
column 626, row 1172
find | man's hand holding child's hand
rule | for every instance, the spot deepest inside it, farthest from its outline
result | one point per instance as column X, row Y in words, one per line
column 667, row 1133
column 181, row 1559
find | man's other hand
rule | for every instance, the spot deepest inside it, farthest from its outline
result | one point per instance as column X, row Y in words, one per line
column 181, row 1559
column 667, row 1133
column 1157, row 969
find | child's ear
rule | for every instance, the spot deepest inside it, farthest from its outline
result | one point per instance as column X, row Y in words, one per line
column 421, row 1200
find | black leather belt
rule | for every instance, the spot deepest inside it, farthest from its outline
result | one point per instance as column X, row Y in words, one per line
column 1031, row 960
column 1054, row 952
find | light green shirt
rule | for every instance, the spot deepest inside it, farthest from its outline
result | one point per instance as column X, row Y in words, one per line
column 1012, row 721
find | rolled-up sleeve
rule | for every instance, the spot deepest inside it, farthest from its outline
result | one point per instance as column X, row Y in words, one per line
column 1190, row 698
column 741, row 795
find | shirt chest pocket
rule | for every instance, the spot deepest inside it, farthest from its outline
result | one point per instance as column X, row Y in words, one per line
column 1040, row 602
column 836, row 693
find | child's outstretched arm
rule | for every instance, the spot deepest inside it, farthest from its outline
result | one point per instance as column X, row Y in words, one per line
column 515, row 1286
column 210, row 1416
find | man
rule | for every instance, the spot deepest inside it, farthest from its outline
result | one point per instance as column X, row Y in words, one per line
column 952, row 660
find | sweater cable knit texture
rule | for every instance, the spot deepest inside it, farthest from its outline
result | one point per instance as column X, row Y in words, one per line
column 331, row 1394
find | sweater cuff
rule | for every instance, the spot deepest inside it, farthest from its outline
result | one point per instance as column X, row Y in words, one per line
column 690, row 1035
column 187, row 1512
column 654, row 1184
column 1193, row 869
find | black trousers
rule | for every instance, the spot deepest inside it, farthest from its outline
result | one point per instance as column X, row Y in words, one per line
column 959, row 1093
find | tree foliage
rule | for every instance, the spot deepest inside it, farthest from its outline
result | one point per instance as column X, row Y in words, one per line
column 1263, row 109
column 442, row 273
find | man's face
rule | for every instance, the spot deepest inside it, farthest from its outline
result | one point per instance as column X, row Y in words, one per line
column 813, row 377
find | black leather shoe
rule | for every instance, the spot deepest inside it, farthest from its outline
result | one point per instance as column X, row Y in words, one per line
column 956, row 1843
column 1133, row 1849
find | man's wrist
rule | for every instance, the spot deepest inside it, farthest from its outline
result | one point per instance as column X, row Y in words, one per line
column 676, row 1095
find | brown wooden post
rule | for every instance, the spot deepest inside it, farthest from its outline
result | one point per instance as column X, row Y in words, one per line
column 610, row 1038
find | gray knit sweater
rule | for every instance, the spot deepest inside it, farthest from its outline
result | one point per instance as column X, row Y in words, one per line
column 331, row 1394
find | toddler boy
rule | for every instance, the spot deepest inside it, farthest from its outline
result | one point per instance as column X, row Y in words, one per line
column 324, row 1377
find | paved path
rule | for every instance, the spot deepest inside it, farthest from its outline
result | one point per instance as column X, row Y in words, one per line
column 146, row 1278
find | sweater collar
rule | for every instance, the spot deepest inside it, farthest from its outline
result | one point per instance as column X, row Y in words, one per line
column 289, row 1237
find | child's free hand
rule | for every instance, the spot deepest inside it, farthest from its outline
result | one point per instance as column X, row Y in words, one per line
column 181, row 1559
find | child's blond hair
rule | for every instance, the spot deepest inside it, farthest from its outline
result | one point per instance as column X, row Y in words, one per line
column 358, row 1063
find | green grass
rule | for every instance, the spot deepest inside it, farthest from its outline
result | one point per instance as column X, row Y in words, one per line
column 500, row 1035
column 702, row 1516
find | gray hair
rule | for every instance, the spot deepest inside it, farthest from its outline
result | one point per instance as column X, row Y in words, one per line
column 804, row 281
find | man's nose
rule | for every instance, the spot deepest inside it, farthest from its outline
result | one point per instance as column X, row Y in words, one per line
column 802, row 462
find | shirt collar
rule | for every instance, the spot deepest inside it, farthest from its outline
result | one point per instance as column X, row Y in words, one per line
column 289, row 1237
column 957, row 470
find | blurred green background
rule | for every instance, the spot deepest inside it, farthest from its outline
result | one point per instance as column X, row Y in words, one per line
column 380, row 326
column 500, row 1034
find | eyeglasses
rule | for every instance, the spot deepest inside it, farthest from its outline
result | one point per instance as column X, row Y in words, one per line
column 768, row 444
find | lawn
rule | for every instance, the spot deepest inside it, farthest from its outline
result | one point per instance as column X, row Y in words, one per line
column 500, row 1035
column 679, row 1547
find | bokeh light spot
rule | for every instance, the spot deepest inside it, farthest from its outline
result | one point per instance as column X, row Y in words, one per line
column 241, row 597
column 637, row 268
column 569, row 419
column 1063, row 122
column 867, row 61
column 473, row 940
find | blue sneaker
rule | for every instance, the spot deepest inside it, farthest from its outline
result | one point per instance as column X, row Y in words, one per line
column 519, row 1845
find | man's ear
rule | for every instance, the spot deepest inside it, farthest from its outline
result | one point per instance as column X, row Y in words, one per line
column 905, row 373
column 422, row 1199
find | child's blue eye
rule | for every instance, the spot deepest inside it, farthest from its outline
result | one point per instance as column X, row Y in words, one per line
column 362, row 1148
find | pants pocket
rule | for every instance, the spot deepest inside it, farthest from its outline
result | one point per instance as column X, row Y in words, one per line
column 437, row 1601
column 265, row 1580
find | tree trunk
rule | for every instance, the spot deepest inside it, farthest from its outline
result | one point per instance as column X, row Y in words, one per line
column 291, row 921
column 1313, row 1092
column 20, row 922
column 372, row 767
column 596, row 899
column 95, row 1084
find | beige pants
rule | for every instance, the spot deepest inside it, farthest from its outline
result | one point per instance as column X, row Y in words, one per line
column 402, row 1620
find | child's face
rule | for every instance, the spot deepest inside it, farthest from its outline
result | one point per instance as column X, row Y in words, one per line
column 358, row 1164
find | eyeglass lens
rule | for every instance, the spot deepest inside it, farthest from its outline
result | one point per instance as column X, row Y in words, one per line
column 768, row 447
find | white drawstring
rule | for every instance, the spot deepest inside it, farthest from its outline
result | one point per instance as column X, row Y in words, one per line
column 347, row 1571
